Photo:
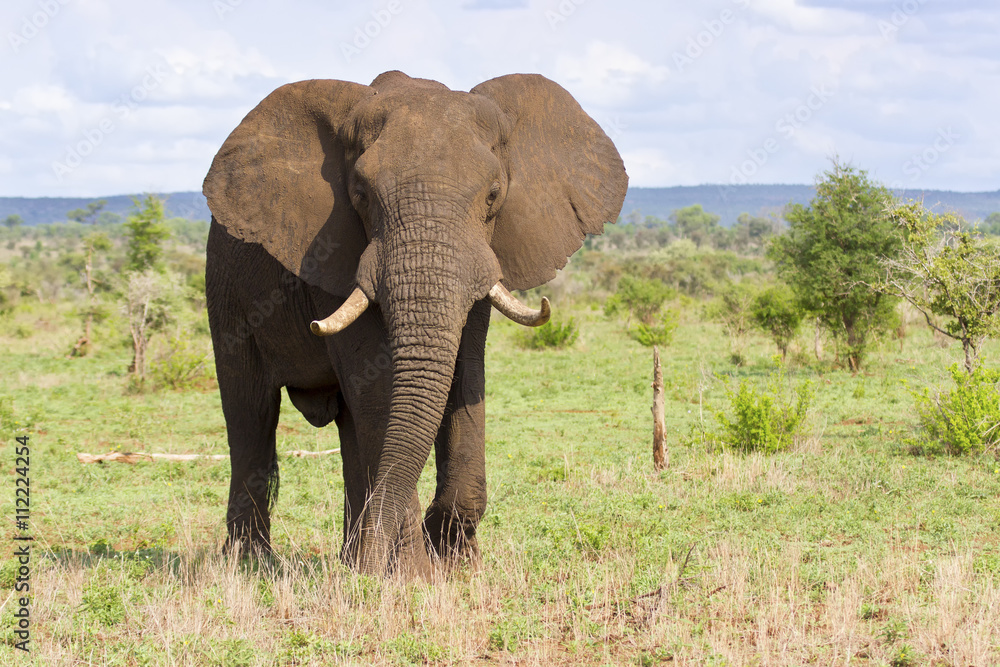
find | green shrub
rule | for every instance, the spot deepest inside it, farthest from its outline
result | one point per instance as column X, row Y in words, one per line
column 905, row 656
column 179, row 366
column 764, row 418
column 551, row 334
column 965, row 420
column 638, row 297
column 103, row 603
column 661, row 333
column 777, row 313
column 732, row 307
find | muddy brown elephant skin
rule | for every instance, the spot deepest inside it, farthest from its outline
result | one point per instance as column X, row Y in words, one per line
column 416, row 206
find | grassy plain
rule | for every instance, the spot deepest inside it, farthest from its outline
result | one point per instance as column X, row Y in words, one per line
column 851, row 548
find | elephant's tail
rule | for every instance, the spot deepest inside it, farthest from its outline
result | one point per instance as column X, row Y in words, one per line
column 273, row 482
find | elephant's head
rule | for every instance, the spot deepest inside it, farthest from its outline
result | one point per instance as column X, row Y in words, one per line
column 432, row 199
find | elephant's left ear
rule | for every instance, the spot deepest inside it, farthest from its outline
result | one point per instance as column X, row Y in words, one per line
column 566, row 178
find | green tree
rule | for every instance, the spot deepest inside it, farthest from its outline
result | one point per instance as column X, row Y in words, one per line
column 696, row 224
column 830, row 255
column 96, row 242
column 13, row 220
column 146, row 231
column 107, row 218
column 152, row 302
column 751, row 232
column 637, row 297
column 946, row 270
column 777, row 312
column 89, row 214
column 991, row 226
column 733, row 307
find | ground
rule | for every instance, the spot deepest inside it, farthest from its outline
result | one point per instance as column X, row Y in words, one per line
column 850, row 548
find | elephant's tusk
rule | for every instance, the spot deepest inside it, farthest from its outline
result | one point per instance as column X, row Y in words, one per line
column 349, row 311
column 507, row 304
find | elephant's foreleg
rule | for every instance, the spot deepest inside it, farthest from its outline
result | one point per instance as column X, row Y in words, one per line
column 251, row 411
column 460, row 448
column 364, row 367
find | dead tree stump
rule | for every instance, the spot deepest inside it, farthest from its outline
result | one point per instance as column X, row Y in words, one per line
column 661, row 457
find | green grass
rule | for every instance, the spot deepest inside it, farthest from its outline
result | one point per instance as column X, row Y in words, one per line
column 845, row 548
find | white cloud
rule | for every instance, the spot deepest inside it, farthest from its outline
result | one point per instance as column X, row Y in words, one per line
column 215, row 70
column 42, row 98
column 606, row 71
column 645, row 166
column 793, row 15
column 672, row 125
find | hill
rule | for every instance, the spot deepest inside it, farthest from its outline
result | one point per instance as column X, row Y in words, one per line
column 41, row 210
column 726, row 201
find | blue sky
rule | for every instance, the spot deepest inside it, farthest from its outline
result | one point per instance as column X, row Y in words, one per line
column 102, row 97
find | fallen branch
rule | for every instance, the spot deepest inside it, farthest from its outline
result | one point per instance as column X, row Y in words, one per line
column 301, row 453
column 135, row 457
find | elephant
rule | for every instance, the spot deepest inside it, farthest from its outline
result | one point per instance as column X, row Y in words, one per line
column 360, row 236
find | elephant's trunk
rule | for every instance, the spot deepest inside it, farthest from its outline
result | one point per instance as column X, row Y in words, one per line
column 425, row 299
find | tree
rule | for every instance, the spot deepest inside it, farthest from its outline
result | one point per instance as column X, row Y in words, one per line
column 146, row 230
column 830, row 256
column 144, row 260
column 13, row 220
column 93, row 242
column 734, row 310
column 751, row 231
column 946, row 270
column 87, row 215
column 777, row 312
column 639, row 297
column 107, row 218
column 153, row 301
column 696, row 224
column 991, row 226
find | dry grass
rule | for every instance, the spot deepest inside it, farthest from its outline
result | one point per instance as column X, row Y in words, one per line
column 845, row 550
column 721, row 603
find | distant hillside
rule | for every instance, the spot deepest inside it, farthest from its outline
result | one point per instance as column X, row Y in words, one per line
column 36, row 211
column 726, row 201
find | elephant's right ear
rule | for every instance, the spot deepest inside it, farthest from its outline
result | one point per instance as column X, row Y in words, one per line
column 279, row 180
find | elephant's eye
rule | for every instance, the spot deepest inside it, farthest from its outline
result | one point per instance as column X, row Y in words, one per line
column 361, row 196
column 494, row 193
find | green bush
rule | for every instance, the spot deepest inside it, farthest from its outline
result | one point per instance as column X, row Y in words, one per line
column 965, row 420
column 733, row 308
column 638, row 297
column 551, row 334
column 661, row 333
column 777, row 313
column 179, row 366
column 764, row 418
column 103, row 603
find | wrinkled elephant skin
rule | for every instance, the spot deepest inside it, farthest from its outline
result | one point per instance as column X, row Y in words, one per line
column 386, row 219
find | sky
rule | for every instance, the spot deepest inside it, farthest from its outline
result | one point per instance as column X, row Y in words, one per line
column 105, row 97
